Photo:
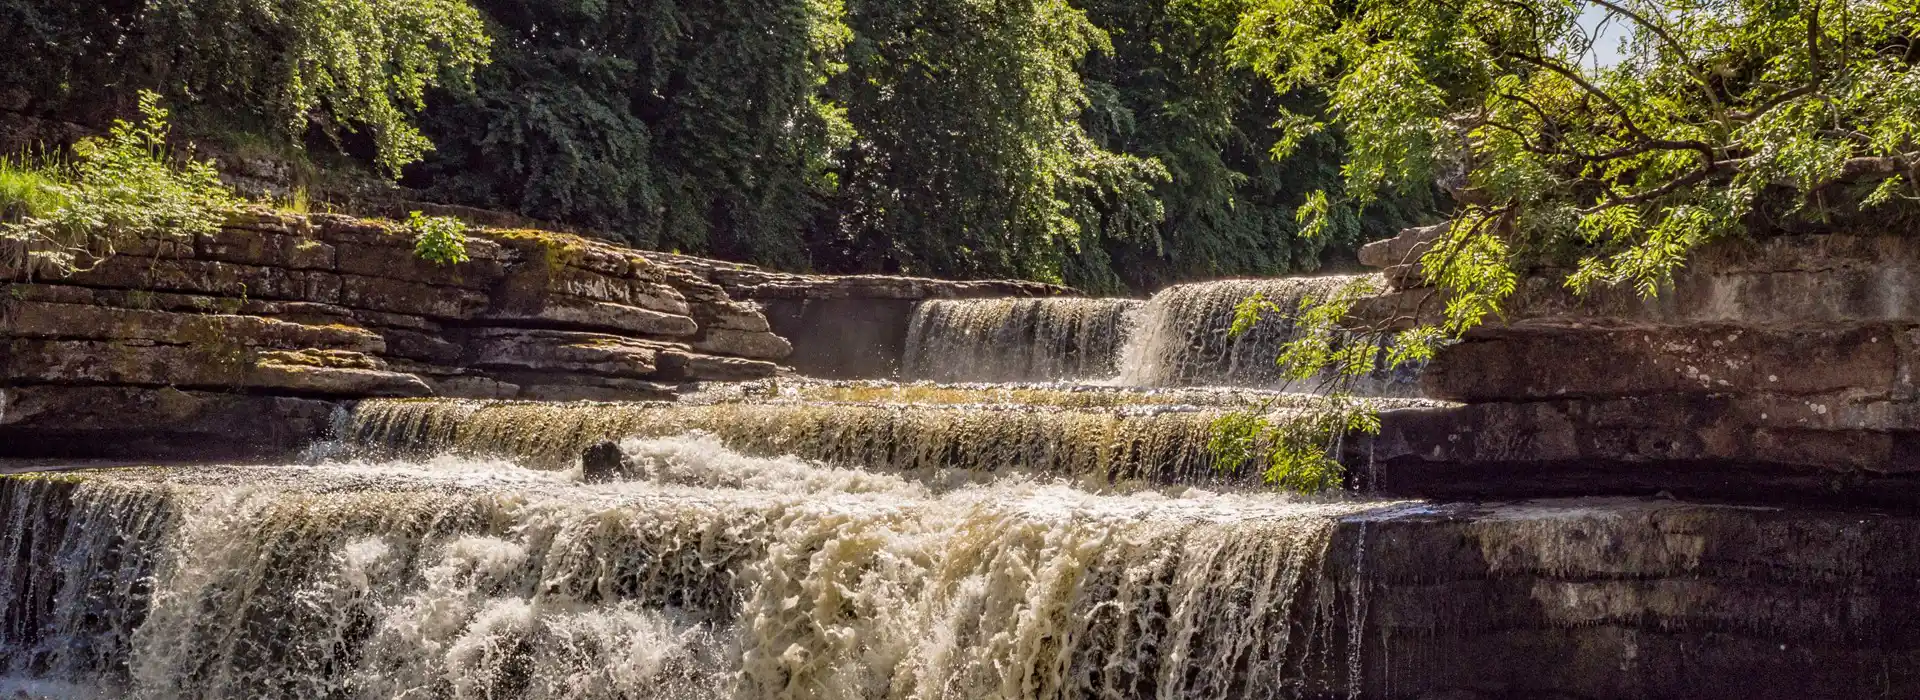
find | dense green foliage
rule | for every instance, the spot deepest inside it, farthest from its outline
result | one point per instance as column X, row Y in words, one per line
column 1114, row 147
column 968, row 156
column 937, row 136
column 684, row 125
column 1172, row 90
column 282, row 67
column 1716, row 110
column 1720, row 117
column 1109, row 144
column 117, row 190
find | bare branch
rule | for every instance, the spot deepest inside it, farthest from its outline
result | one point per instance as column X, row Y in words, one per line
column 1690, row 179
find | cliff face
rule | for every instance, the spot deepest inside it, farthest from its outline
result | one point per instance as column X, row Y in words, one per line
column 845, row 326
column 236, row 343
column 1783, row 365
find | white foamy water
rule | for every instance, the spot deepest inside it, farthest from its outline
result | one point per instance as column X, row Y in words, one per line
column 996, row 340
column 716, row 574
column 1178, row 338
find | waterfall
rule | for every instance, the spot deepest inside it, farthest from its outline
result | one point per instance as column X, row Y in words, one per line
column 1177, row 338
column 956, row 442
column 717, row 574
column 1011, row 340
column 109, row 537
column 1094, row 443
column 1181, row 338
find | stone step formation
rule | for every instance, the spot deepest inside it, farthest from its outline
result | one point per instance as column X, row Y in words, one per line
column 242, row 343
column 569, row 469
column 1778, row 368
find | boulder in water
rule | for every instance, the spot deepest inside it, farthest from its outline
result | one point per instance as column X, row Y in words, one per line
column 602, row 462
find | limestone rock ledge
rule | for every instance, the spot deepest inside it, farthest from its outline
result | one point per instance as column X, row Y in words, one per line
column 1777, row 367
column 254, row 330
column 835, row 326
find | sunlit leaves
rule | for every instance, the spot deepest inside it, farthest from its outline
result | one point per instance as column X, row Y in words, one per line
column 440, row 240
column 1294, row 130
column 1312, row 215
column 1887, row 191
column 1714, row 106
column 1393, row 119
column 125, row 187
column 1716, row 109
column 1292, row 450
column 344, row 65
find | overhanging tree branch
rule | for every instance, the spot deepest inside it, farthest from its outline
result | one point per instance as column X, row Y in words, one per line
column 1693, row 177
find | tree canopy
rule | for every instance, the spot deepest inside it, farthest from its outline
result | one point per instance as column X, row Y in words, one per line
column 281, row 67
column 1709, row 119
column 1108, row 144
column 1715, row 111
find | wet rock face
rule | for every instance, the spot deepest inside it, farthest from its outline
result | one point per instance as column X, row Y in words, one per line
column 1776, row 368
column 1630, row 599
column 325, row 307
column 160, row 423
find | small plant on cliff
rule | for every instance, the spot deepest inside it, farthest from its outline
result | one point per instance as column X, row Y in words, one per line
column 29, row 186
column 440, row 240
column 125, row 187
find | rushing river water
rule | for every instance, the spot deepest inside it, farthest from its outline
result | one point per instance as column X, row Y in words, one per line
column 873, row 540
column 1177, row 338
column 713, row 574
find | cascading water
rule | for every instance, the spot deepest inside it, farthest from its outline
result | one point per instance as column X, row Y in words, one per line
column 1181, row 337
column 717, row 574
column 1178, row 338
column 1010, row 340
column 951, row 443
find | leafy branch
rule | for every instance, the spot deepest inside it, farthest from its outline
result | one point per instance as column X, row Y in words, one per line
column 1714, row 111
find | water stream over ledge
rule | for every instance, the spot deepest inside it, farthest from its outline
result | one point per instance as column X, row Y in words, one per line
column 721, row 575
column 1068, row 536
column 1178, row 338
column 715, row 573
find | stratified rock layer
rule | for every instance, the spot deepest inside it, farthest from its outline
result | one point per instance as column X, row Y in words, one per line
column 1632, row 599
column 1781, row 367
column 840, row 326
column 275, row 314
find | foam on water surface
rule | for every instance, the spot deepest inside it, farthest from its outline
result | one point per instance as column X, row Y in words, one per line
column 716, row 574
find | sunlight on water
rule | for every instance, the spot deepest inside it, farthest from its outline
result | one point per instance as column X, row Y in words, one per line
column 1179, row 338
column 712, row 573
column 999, row 340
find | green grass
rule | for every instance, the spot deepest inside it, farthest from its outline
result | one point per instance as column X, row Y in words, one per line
column 30, row 186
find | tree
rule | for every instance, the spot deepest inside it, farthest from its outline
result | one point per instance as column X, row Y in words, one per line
column 1171, row 90
column 678, row 124
column 970, row 159
column 1716, row 108
column 279, row 66
column 1718, row 113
